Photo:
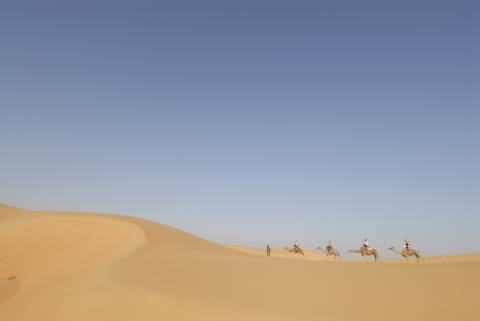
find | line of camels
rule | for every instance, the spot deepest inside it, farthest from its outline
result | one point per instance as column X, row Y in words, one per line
column 364, row 251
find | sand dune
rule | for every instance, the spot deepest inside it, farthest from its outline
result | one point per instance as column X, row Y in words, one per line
column 8, row 287
column 81, row 266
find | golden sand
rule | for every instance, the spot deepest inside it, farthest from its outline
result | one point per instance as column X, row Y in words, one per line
column 83, row 266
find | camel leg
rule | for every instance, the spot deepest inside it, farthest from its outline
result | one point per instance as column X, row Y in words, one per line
column 420, row 258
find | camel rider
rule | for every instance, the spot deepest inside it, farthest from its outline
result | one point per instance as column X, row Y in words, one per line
column 329, row 246
column 366, row 244
column 406, row 247
column 296, row 245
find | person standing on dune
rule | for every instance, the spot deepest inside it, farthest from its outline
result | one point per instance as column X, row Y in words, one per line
column 268, row 249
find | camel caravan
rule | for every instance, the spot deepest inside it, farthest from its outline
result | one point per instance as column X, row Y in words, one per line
column 365, row 251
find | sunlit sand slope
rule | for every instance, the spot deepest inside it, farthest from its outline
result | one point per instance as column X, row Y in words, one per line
column 73, row 266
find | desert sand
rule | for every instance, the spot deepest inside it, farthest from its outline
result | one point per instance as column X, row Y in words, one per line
column 61, row 266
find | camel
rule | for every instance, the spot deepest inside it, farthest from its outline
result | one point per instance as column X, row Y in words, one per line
column 367, row 251
column 329, row 251
column 295, row 250
column 407, row 253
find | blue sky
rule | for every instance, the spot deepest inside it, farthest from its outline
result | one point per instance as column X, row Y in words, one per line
column 249, row 122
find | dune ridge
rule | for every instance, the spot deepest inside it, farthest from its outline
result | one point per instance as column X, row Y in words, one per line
column 86, row 266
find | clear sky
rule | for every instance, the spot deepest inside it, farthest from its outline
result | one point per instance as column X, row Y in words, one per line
column 249, row 122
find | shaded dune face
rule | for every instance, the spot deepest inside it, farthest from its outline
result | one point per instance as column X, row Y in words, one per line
column 41, row 250
column 107, row 267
